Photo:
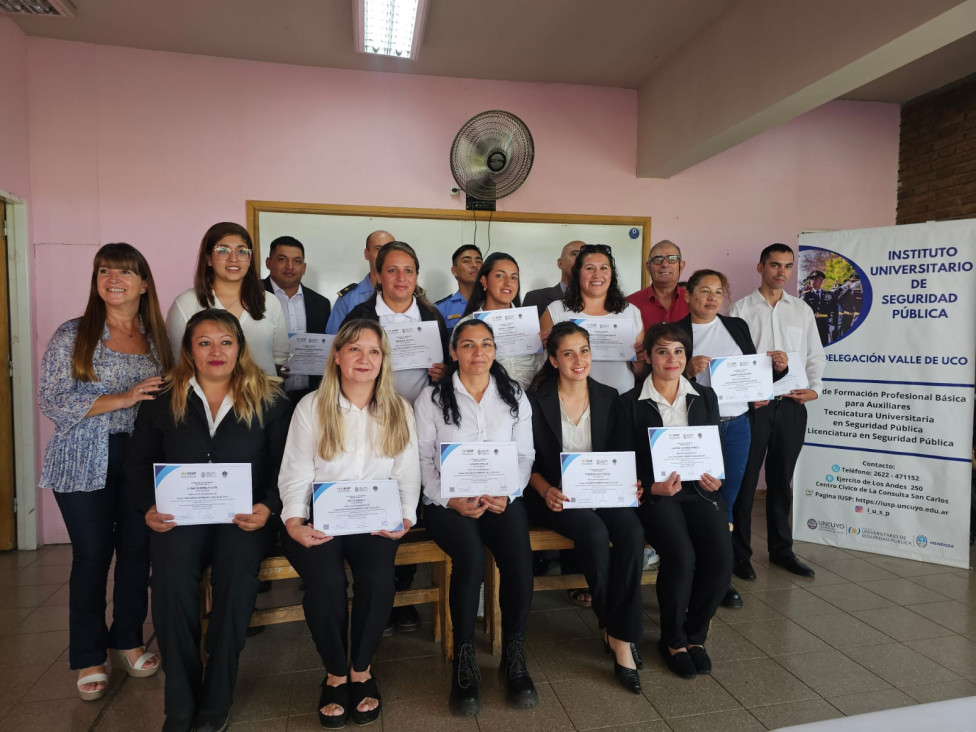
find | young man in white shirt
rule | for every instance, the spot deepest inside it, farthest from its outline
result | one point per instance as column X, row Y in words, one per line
column 777, row 322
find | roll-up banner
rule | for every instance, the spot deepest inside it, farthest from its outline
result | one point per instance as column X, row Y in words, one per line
column 886, row 465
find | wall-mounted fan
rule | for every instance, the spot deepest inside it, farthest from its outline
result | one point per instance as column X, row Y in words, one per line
column 491, row 157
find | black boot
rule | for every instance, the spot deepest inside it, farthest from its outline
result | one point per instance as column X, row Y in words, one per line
column 520, row 691
column 465, row 699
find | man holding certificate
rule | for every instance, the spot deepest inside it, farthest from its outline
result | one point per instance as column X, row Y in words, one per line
column 352, row 446
column 685, row 521
column 216, row 407
column 477, row 405
column 572, row 415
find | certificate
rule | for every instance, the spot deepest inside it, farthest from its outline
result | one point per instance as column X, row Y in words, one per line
column 309, row 352
column 415, row 345
column 516, row 330
column 687, row 451
column 356, row 507
column 742, row 378
column 470, row 469
column 599, row 479
column 796, row 376
column 203, row 493
column 611, row 339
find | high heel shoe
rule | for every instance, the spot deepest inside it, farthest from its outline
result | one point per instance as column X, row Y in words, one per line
column 638, row 661
column 628, row 677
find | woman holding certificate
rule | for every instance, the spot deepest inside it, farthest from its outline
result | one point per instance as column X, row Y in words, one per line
column 686, row 522
column 227, row 277
column 497, row 288
column 218, row 413
column 715, row 335
column 573, row 413
column 594, row 297
column 355, row 427
column 476, row 402
column 96, row 371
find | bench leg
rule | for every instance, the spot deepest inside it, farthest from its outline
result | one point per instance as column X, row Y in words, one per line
column 443, row 627
column 493, row 613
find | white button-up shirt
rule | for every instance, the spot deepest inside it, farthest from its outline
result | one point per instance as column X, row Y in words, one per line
column 672, row 415
column 360, row 459
column 788, row 326
column 294, row 309
column 489, row 420
column 408, row 382
column 213, row 420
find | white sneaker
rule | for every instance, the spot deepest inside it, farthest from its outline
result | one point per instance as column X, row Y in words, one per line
column 651, row 558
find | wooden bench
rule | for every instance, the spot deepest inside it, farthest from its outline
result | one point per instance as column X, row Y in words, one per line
column 541, row 540
column 415, row 548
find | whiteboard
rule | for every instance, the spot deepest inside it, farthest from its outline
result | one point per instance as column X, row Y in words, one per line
column 335, row 237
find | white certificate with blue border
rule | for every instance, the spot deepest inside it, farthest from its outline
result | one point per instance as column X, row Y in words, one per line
column 688, row 451
column 345, row 507
column 414, row 345
column 470, row 469
column 516, row 330
column 611, row 339
column 308, row 353
column 796, row 376
column 742, row 378
column 203, row 493
column 599, row 479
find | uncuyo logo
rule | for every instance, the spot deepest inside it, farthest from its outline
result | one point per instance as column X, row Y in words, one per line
column 812, row 524
column 854, row 530
column 921, row 540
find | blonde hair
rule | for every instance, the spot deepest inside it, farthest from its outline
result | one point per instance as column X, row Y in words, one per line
column 389, row 409
column 251, row 389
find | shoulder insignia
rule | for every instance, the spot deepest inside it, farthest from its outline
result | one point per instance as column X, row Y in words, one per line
column 348, row 288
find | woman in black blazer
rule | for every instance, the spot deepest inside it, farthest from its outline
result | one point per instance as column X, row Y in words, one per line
column 572, row 412
column 684, row 521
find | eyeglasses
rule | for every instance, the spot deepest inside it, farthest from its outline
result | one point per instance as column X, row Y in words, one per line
column 224, row 252
column 590, row 248
column 661, row 258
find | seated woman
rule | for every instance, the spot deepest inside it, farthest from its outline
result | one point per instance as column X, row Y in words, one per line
column 354, row 427
column 476, row 401
column 685, row 521
column 217, row 406
column 573, row 413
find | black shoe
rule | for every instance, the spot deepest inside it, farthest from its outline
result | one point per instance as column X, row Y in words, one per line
column 678, row 663
column 359, row 690
column 388, row 630
column 406, row 618
column 703, row 664
column 211, row 722
column 744, row 570
column 465, row 699
column 172, row 724
column 338, row 695
column 794, row 565
column 638, row 661
column 732, row 598
column 520, row 691
column 628, row 678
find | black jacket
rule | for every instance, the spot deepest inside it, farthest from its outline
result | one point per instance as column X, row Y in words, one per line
column 542, row 297
column 367, row 309
column 158, row 439
column 317, row 311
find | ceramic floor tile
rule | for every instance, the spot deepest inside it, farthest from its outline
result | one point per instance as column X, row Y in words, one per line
column 824, row 577
column 419, row 715
column 940, row 692
column 819, row 553
column 761, row 681
column 950, row 614
column 841, row 630
column 414, row 678
column 901, row 624
column 873, row 701
column 900, row 665
column 591, row 705
column 955, row 653
column 725, row 643
column 795, row 602
column 902, row 591
column 850, row 597
column 497, row 716
column 265, row 725
column 954, row 586
column 37, row 574
column 803, row 712
column 577, row 659
column 739, row 721
column 30, row 595
column 261, row 697
column 32, row 647
column 831, row 673
column 855, row 569
column 144, row 706
column 902, row 567
column 557, row 625
column 779, row 637
column 15, row 681
column 45, row 618
column 752, row 609
column 61, row 715
column 675, row 697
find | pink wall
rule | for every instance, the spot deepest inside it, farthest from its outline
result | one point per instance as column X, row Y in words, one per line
column 151, row 148
column 14, row 153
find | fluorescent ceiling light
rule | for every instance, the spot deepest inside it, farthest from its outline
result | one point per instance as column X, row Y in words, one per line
column 389, row 27
column 62, row 8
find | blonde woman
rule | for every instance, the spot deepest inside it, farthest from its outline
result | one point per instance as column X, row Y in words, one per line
column 354, row 427
column 217, row 406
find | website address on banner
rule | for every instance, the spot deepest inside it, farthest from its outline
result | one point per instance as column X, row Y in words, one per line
column 884, row 504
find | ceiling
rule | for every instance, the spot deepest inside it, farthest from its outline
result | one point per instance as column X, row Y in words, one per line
column 616, row 43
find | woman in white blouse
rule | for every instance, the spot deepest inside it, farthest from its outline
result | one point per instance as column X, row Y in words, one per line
column 227, row 277
column 354, row 427
column 476, row 401
column 592, row 293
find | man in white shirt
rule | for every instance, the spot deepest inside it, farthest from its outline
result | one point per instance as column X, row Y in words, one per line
column 351, row 295
column 306, row 311
column 777, row 322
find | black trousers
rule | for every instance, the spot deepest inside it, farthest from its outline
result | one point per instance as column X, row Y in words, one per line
column 179, row 558
column 506, row 534
column 325, row 602
column 102, row 523
column 692, row 536
column 613, row 574
column 778, row 430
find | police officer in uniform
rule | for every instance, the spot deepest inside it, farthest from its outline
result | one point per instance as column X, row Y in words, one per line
column 823, row 303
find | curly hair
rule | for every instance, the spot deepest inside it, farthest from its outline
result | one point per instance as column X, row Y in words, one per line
column 615, row 301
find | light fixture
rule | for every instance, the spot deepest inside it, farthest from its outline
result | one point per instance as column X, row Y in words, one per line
column 389, row 27
column 53, row 8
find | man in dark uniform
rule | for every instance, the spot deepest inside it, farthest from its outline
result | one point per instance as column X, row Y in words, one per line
column 465, row 265
column 849, row 305
column 823, row 303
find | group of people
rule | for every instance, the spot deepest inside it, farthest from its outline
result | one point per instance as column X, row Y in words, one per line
column 127, row 389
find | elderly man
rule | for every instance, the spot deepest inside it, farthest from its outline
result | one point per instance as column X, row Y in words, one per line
column 664, row 301
column 542, row 297
column 351, row 295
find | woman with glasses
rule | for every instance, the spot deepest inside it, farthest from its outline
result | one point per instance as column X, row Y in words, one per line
column 593, row 292
column 714, row 335
column 227, row 278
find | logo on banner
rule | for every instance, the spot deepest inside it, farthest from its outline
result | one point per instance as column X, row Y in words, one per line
column 858, row 509
column 854, row 531
column 921, row 540
column 812, row 524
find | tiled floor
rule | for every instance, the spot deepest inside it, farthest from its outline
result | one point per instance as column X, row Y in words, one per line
column 868, row 633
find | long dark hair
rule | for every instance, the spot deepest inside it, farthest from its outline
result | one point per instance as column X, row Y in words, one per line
column 615, row 301
column 119, row 256
column 444, row 395
column 252, row 291
column 558, row 333
column 478, row 294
